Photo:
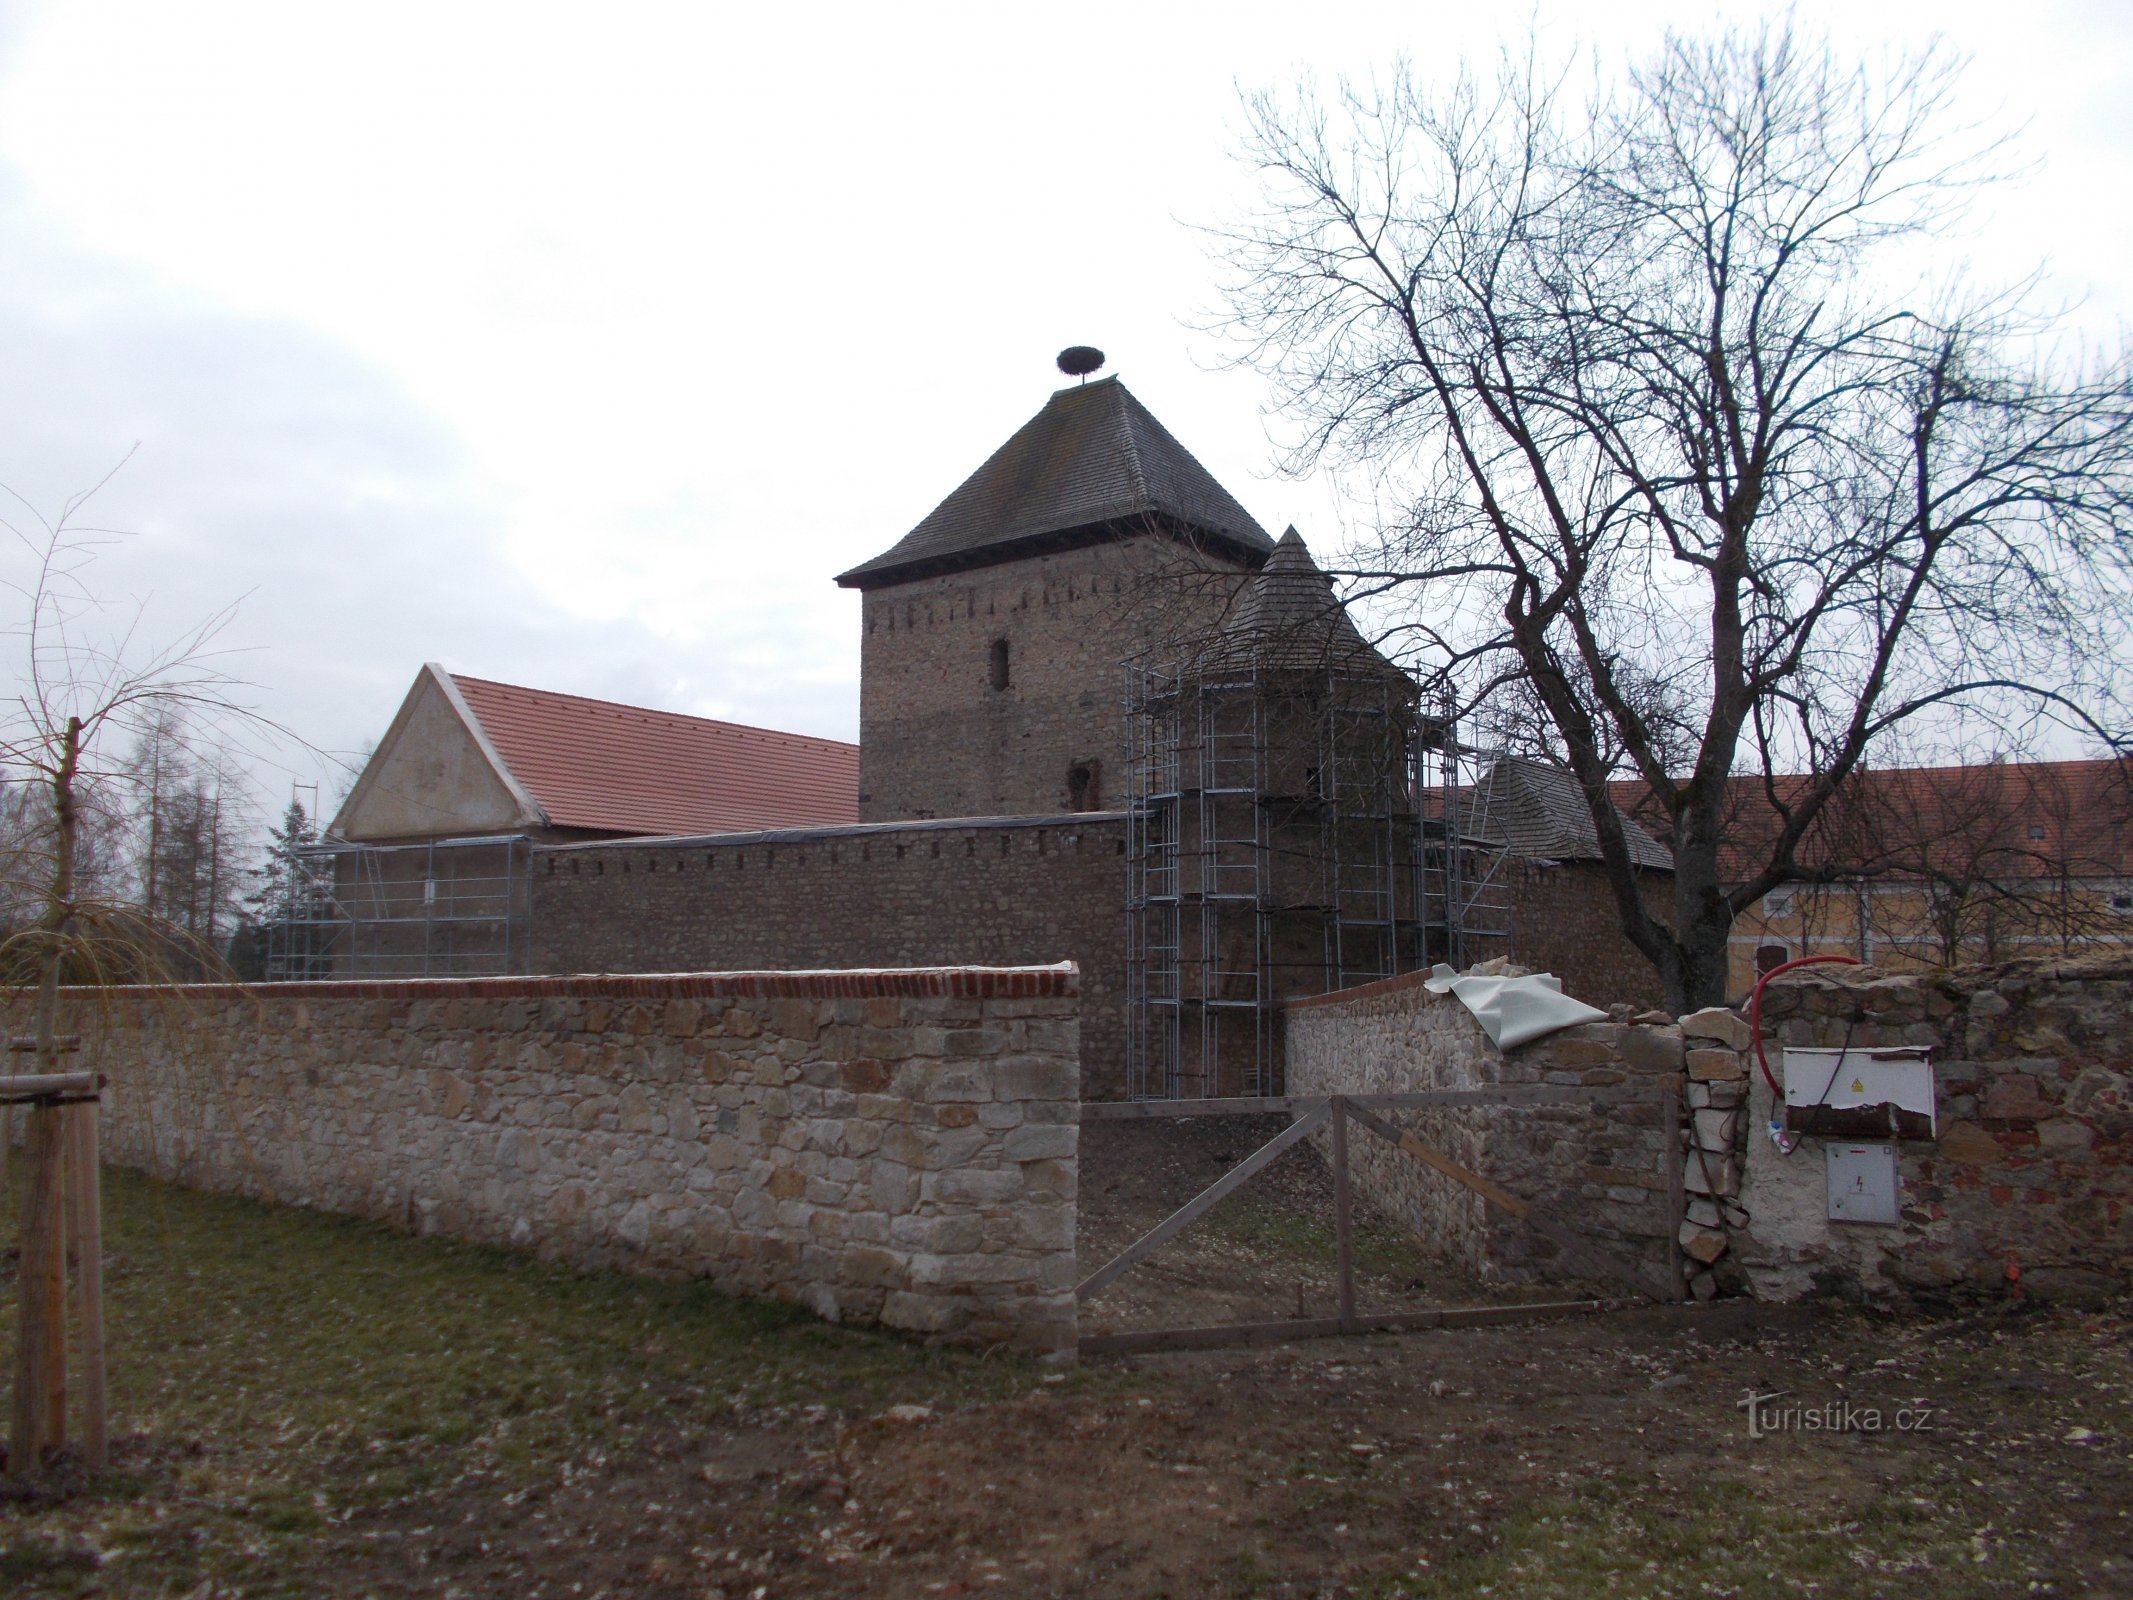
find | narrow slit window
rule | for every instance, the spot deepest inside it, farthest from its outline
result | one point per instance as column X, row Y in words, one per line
column 996, row 669
column 1084, row 788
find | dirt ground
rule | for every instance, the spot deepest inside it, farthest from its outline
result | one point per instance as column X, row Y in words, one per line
column 1266, row 1252
column 316, row 1407
column 1448, row 1462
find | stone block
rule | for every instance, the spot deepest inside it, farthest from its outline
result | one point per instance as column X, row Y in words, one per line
column 918, row 1313
column 1716, row 1130
column 1728, row 1027
column 972, row 1186
column 2016, row 1097
column 1040, row 1142
column 1705, row 1245
column 1651, row 1049
column 1714, row 1175
column 864, row 1076
column 1715, row 1066
column 1036, row 1078
column 1969, row 1145
column 2065, row 1135
column 1725, row 1096
column 951, row 1236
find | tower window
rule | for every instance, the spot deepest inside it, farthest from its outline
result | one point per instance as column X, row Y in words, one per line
column 1084, row 786
column 996, row 667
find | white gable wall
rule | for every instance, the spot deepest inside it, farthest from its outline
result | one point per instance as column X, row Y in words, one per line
column 432, row 776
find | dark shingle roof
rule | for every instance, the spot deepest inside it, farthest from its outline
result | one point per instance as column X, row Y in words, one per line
column 1539, row 811
column 1289, row 616
column 1093, row 457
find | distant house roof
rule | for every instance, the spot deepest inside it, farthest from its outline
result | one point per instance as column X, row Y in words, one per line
column 2008, row 819
column 468, row 756
column 626, row 769
column 1093, row 459
column 1539, row 811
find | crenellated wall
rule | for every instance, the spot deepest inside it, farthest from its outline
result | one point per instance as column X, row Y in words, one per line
column 884, row 1146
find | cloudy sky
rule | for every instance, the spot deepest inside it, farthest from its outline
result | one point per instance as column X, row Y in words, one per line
column 582, row 346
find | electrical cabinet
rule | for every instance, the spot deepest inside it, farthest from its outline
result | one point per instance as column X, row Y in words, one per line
column 1862, row 1182
column 1885, row 1092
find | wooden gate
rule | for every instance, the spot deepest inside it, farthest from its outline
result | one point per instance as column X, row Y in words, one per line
column 1337, row 1114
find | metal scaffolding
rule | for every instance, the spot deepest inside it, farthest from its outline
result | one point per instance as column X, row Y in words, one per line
column 441, row 908
column 1463, row 851
column 1290, row 830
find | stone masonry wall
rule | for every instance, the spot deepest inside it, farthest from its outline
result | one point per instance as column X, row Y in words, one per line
column 1599, row 1171
column 1564, row 921
column 939, row 738
column 892, row 1147
column 990, row 891
column 2033, row 1165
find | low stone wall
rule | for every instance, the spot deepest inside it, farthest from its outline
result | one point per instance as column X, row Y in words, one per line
column 2032, row 1171
column 884, row 1146
column 1599, row 1171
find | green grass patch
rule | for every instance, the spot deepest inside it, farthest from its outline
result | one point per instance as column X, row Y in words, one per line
column 275, row 1371
column 1723, row 1539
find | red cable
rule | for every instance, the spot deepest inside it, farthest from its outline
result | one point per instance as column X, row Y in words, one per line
column 1755, row 1013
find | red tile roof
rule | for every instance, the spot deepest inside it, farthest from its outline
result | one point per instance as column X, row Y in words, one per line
column 624, row 769
column 2003, row 819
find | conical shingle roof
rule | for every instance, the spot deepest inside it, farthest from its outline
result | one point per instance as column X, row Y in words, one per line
column 1092, row 459
column 1289, row 617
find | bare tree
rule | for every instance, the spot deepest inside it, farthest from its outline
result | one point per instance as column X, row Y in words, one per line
column 1676, row 385
column 86, row 686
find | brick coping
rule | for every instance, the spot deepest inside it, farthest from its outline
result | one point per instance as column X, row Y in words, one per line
column 958, row 983
column 1360, row 991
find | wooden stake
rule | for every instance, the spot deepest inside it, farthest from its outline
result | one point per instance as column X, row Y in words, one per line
column 40, row 1410
column 85, row 1219
column 1343, row 1238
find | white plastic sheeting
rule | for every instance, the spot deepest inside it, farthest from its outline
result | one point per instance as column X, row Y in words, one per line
column 1513, row 1011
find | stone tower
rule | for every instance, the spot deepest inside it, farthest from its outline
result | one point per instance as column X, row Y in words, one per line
column 994, row 632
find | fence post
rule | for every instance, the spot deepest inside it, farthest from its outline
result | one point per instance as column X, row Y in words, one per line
column 1343, row 1237
column 85, row 1223
column 39, row 1422
column 1676, row 1207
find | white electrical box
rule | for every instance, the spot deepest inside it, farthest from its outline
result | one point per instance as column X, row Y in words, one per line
column 1862, row 1182
column 1885, row 1092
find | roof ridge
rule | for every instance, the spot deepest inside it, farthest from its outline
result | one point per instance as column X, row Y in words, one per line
column 1127, row 405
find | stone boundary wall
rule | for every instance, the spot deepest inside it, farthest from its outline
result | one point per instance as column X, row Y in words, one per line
column 2033, row 1165
column 894, row 1147
column 992, row 891
column 1598, row 1171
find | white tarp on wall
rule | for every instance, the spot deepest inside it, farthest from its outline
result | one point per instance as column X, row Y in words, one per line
column 1513, row 1011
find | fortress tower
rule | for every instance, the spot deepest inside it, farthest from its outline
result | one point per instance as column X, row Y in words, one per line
column 994, row 631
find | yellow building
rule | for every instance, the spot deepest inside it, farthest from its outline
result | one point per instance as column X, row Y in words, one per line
column 1950, row 866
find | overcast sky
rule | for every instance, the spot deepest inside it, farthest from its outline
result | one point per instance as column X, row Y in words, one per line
column 582, row 346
